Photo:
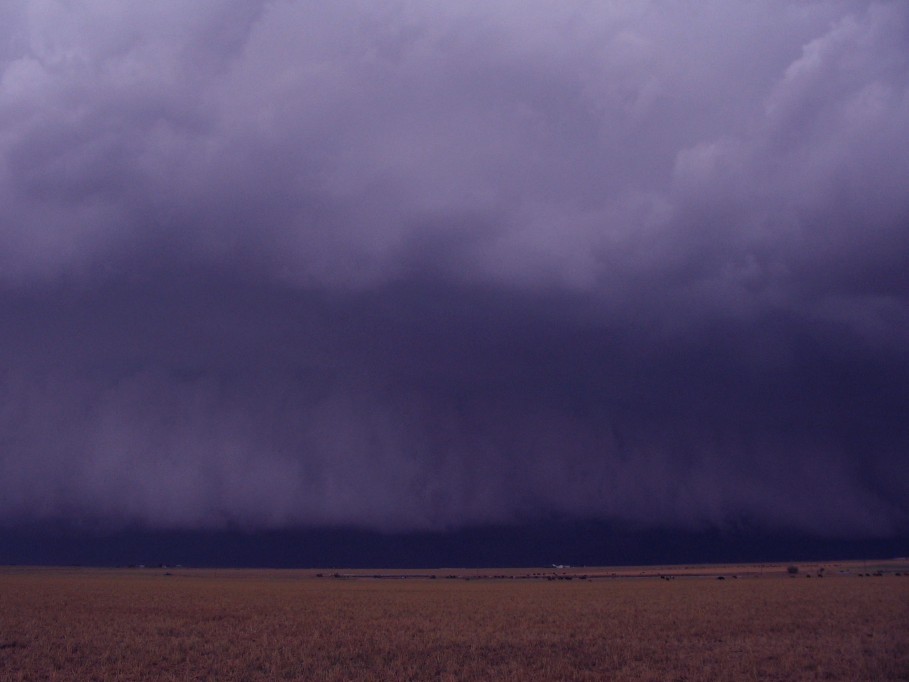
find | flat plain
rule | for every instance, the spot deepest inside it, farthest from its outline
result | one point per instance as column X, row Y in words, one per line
column 847, row 621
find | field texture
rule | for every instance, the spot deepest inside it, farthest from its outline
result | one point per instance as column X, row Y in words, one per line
column 177, row 624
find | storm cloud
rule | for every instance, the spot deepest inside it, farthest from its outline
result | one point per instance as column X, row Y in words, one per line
column 403, row 266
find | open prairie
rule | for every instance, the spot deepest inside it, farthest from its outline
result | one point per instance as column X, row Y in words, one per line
column 670, row 623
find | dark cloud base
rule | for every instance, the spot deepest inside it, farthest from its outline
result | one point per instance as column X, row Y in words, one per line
column 201, row 400
column 578, row 543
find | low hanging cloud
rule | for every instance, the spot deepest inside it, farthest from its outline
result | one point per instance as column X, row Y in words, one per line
column 411, row 267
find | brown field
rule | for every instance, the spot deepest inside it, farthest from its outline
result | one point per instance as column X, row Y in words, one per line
column 620, row 624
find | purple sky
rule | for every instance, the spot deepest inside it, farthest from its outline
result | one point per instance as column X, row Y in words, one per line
column 407, row 265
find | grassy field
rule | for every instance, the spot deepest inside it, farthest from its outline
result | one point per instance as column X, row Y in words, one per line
column 620, row 624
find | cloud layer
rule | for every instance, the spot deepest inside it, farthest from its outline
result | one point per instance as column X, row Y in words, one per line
column 402, row 266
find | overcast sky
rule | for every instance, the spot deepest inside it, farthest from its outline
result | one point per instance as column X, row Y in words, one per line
column 413, row 266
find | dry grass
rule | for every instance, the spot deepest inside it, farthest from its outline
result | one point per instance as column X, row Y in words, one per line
column 247, row 625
